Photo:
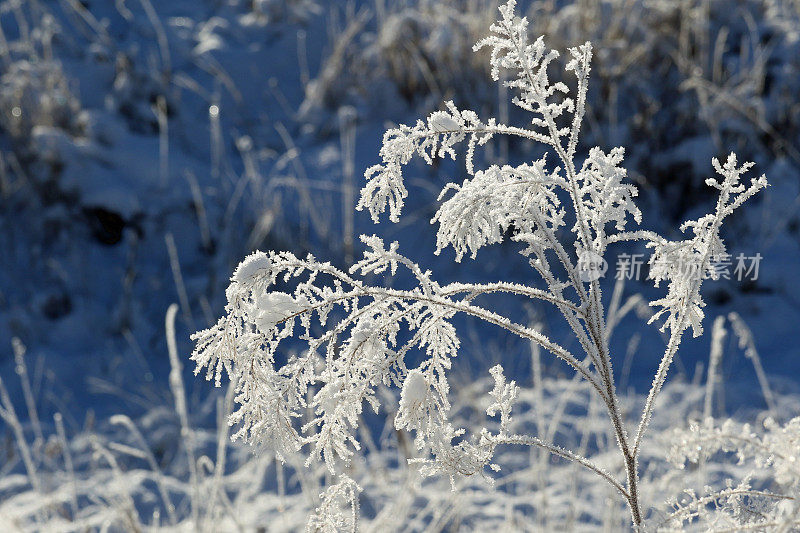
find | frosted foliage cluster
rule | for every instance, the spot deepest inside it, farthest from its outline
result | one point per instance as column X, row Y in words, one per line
column 300, row 336
column 684, row 263
column 766, row 499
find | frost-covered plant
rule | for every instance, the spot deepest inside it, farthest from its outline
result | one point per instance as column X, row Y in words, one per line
column 773, row 454
column 356, row 335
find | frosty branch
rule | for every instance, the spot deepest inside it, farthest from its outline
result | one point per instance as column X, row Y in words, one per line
column 350, row 330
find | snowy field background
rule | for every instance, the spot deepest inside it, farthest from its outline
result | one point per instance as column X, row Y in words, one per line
column 147, row 147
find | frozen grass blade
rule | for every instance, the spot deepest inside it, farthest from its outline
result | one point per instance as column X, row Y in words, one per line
column 179, row 396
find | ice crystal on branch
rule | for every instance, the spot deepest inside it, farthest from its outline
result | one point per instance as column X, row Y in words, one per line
column 348, row 338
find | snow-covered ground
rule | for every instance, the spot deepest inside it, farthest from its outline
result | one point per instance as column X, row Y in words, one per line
column 147, row 147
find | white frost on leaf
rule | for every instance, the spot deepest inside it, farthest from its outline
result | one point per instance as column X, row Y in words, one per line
column 442, row 122
column 275, row 307
column 414, row 400
column 493, row 201
column 257, row 263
